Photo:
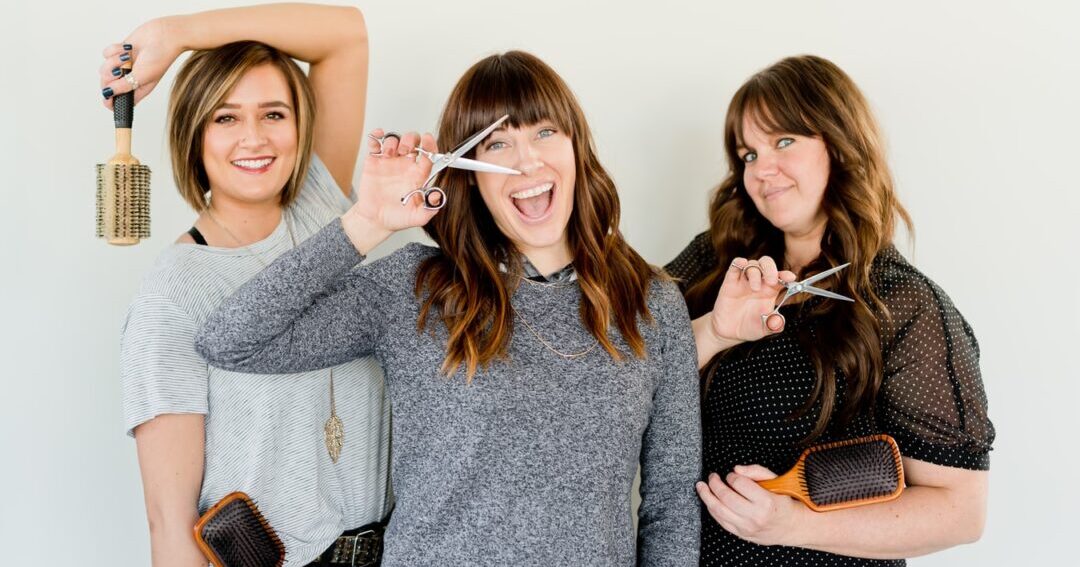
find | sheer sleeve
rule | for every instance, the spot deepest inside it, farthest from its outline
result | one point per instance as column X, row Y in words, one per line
column 932, row 398
column 693, row 263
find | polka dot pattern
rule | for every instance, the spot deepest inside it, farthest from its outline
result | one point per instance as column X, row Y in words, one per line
column 931, row 400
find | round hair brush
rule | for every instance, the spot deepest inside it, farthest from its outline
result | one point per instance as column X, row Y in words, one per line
column 844, row 474
column 123, row 184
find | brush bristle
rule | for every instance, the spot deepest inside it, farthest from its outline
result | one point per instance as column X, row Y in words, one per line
column 861, row 469
column 128, row 214
column 240, row 536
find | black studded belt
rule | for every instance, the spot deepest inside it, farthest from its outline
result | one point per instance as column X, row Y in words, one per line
column 361, row 547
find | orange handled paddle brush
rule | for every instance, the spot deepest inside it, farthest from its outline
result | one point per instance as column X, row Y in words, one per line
column 844, row 474
column 234, row 533
column 123, row 184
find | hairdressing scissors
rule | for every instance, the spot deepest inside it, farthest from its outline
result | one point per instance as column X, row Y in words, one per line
column 453, row 159
column 804, row 286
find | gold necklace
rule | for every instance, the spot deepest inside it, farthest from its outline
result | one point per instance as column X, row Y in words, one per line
column 334, row 429
column 568, row 355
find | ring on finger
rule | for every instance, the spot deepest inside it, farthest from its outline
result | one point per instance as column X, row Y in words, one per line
column 756, row 267
column 131, row 80
column 382, row 140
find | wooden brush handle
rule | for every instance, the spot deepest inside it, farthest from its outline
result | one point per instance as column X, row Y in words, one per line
column 788, row 484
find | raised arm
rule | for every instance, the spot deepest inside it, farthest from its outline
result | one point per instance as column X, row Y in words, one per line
column 669, row 521
column 332, row 39
column 310, row 309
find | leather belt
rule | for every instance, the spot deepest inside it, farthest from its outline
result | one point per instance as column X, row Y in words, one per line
column 361, row 547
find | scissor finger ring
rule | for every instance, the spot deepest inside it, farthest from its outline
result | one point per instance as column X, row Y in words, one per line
column 382, row 140
column 754, row 266
column 434, row 198
column 765, row 322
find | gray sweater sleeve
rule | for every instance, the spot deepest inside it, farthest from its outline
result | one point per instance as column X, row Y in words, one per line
column 308, row 310
column 669, row 519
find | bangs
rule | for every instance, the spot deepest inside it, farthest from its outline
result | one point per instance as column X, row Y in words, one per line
column 515, row 84
column 775, row 106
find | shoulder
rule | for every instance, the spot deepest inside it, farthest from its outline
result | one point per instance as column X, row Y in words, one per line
column 907, row 292
column 182, row 278
column 665, row 301
column 696, row 258
column 320, row 196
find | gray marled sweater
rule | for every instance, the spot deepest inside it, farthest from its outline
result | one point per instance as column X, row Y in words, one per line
column 530, row 464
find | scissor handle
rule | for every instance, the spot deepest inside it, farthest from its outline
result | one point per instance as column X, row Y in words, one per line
column 427, row 194
column 768, row 316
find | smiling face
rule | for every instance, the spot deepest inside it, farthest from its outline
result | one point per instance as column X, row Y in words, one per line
column 532, row 209
column 785, row 175
column 250, row 145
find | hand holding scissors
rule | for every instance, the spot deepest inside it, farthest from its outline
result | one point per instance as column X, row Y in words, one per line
column 746, row 307
column 795, row 288
column 434, row 198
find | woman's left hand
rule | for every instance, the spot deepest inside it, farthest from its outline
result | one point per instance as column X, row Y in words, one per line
column 745, row 509
column 153, row 51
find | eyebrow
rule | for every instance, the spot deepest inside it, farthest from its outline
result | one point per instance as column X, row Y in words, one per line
column 270, row 104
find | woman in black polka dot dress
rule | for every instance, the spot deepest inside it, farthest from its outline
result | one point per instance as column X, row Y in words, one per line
column 809, row 189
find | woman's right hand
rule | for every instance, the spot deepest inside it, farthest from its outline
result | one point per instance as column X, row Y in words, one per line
column 153, row 51
column 391, row 171
column 749, row 290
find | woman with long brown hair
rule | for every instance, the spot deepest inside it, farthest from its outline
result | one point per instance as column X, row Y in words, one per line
column 808, row 189
column 533, row 360
column 264, row 154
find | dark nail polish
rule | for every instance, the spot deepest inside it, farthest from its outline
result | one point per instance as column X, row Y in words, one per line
column 107, row 92
column 125, row 57
column 116, row 72
column 127, row 47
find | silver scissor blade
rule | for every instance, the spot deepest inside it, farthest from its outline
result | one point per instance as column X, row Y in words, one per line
column 477, row 138
column 823, row 293
column 823, row 275
column 483, row 166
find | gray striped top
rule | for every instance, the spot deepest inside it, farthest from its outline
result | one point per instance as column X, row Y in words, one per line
column 264, row 435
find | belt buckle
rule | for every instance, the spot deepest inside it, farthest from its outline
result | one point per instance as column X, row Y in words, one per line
column 368, row 561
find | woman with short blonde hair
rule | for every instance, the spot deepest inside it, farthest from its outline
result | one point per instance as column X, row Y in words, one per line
column 264, row 154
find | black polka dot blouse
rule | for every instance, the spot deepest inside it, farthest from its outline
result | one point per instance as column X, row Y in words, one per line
column 931, row 399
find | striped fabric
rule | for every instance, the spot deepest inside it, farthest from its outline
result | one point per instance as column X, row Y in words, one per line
column 264, row 434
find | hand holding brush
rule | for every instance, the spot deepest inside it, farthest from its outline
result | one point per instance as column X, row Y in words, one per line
column 123, row 184
column 832, row 476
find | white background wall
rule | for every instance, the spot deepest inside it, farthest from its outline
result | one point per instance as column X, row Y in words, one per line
column 978, row 101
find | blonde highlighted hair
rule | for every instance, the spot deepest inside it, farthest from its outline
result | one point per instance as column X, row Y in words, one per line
column 201, row 87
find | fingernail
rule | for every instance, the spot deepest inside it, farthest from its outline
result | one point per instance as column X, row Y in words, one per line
column 107, row 92
column 127, row 47
column 116, row 72
column 125, row 57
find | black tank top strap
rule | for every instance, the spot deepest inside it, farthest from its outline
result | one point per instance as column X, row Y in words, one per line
column 195, row 234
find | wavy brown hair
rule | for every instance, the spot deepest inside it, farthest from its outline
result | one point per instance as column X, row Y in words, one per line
column 811, row 96
column 464, row 285
column 201, row 87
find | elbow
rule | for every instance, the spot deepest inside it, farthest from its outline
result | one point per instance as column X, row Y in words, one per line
column 355, row 26
column 205, row 347
column 974, row 525
column 213, row 350
column 970, row 522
